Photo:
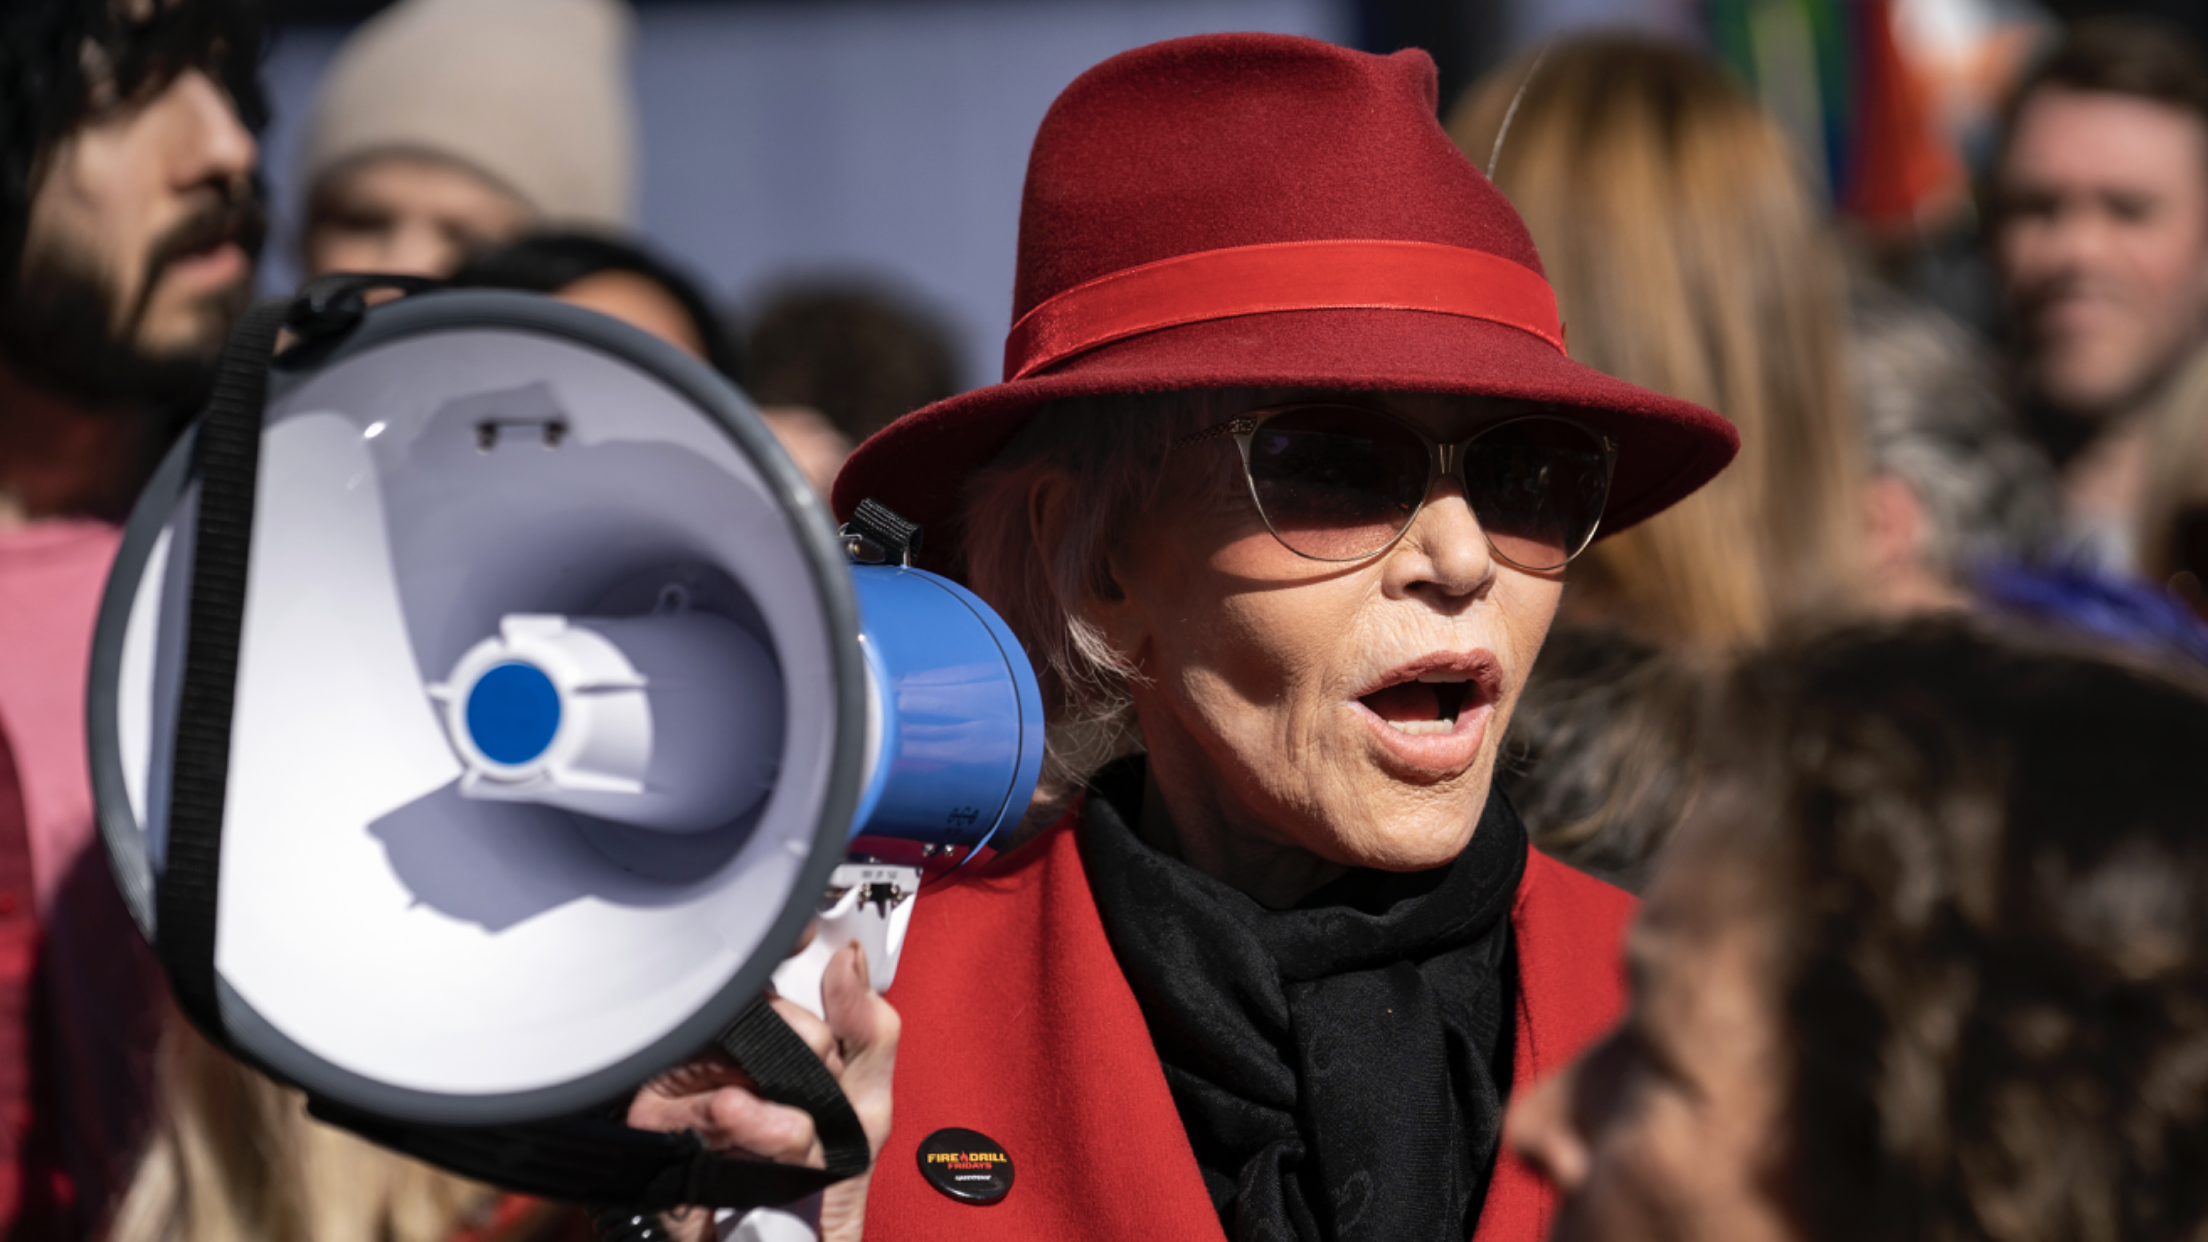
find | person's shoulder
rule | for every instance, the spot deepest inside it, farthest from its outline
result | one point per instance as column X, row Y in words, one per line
column 1558, row 897
column 1569, row 929
column 84, row 546
column 1033, row 871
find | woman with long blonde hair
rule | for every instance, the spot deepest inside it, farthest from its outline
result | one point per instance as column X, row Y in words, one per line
column 234, row 1157
column 1690, row 255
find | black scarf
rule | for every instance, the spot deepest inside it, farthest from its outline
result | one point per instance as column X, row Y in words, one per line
column 1340, row 1065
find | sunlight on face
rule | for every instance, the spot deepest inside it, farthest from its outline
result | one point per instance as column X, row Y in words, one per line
column 406, row 215
column 637, row 300
column 1347, row 711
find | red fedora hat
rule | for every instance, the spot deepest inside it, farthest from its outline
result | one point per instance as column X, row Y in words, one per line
column 1262, row 211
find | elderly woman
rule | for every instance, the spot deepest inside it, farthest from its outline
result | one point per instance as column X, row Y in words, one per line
column 1928, row 960
column 1278, row 492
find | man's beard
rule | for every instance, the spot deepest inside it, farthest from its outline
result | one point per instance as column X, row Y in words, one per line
column 59, row 331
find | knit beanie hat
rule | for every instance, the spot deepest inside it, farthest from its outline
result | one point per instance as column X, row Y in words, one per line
column 532, row 94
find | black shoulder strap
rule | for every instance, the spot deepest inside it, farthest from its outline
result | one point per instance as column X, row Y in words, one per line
column 229, row 454
column 227, row 464
column 599, row 1160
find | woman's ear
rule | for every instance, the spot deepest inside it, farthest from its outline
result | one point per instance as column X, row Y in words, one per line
column 1104, row 604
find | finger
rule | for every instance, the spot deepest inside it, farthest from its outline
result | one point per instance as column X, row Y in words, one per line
column 681, row 1098
column 732, row 1119
column 660, row 1107
column 861, row 1021
column 866, row 1028
column 812, row 1030
column 738, row 1120
column 677, row 1098
column 804, row 942
column 688, row 1224
column 700, row 1075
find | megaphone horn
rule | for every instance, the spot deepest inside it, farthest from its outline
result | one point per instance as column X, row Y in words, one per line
column 481, row 706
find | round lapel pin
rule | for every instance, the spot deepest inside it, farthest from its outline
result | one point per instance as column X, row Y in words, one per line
column 967, row 1165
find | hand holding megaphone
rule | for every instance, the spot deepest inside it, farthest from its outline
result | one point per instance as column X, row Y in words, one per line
column 715, row 1099
column 481, row 705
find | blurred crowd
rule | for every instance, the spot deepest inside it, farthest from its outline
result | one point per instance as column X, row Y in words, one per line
column 1921, row 681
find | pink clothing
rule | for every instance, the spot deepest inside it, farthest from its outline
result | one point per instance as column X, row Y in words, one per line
column 51, row 576
column 83, row 1014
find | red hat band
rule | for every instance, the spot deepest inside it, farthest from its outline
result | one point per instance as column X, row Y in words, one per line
column 1282, row 276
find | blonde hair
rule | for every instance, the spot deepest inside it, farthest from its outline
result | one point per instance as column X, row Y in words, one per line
column 1689, row 256
column 234, row 1158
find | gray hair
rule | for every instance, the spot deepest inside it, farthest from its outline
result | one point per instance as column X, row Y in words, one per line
column 1111, row 451
column 1932, row 419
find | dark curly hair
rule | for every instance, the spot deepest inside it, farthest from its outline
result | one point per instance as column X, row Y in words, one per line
column 1984, row 862
column 61, row 61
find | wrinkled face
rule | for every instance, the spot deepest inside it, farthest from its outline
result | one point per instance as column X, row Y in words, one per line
column 1669, row 1128
column 2103, row 243
column 143, row 230
column 1350, row 711
column 406, row 215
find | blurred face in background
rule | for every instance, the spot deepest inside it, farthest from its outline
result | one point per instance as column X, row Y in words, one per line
column 2103, row 244
column 140, row 247
column 1672, row 1127
column 638, row 300
column 408, row 215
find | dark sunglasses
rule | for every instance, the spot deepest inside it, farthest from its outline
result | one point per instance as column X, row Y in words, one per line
column 1342, row 483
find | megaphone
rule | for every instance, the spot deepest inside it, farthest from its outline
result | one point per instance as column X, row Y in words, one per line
column 482, row 704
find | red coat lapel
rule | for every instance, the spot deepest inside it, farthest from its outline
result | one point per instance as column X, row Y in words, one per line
column 1568, row 931
column 1018, row 1024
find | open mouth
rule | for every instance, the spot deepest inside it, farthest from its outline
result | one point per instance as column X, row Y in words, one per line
column 1428, row 703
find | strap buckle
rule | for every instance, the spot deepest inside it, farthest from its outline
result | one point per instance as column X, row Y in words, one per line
column 876, row 533
column 334, row 305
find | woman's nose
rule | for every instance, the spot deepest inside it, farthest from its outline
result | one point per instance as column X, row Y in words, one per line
column 1539, row 1129
column 1445, row 550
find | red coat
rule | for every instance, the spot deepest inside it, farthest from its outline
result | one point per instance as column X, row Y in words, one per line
column 1018, row 1024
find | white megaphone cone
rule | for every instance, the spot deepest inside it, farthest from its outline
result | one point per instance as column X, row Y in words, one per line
column 556, row 704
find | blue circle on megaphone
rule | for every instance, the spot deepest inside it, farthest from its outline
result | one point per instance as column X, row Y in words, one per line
column 513, row 712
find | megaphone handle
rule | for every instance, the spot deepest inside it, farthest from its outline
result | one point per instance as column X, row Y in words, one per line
column 782, row 1069
column 785, row 1069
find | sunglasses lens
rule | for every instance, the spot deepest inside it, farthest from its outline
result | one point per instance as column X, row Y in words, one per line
column 1336, row 483
column 1538, row 486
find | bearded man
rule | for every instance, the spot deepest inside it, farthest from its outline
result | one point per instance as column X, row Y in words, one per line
column 129, row 224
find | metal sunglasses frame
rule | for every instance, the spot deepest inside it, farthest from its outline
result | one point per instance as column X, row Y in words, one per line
column 1443, row 458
